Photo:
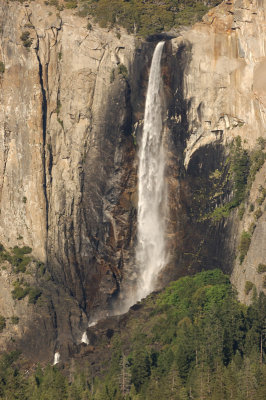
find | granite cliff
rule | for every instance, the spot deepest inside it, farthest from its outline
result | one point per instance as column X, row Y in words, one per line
column 72, row 104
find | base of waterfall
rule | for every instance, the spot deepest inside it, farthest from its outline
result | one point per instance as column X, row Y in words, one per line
column 56, row 358
column 85, row 338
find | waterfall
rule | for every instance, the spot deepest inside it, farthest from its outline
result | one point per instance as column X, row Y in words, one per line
column 56, row 358
column 84, row 338
column 152, row 198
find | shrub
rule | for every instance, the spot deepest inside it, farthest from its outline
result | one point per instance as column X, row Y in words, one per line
column 71, row 4
column 240, row 169
column 261, row 142
column 24, row 199
column 241, row 211
column 112, row 76
column 258, row 213
column 245, row 241
column 205, row 288
column 251, row 208
column 248, row 286
column 146, row 17
column 26, row 39
column 19, row 292
column 261, row 268
column 58, row 106
column 89, row 26
column 54, row 3
column 20, row 264
column 14, row 320
column 262, row 197
column 2, row 323
column 252, row 228
column 34, row 294
column 122, row 70
column 222, row 211
column 257, row 159
column 21, row 251
column 40, row 268
column 2, row 67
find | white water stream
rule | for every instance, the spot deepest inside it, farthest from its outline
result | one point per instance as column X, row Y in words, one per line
column 56, row 358
column 152, row 199
column 152, row 196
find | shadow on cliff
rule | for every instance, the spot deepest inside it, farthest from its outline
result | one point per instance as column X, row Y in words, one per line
column 194, row 243
column 101, row 256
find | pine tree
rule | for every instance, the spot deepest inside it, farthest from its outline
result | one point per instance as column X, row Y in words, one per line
column 125, row 376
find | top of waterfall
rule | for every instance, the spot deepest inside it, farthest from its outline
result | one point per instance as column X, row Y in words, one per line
column 162, row 37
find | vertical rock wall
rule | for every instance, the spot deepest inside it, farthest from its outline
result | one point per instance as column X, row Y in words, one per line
column 67, row 162
column 71, row 110
column 221, row 96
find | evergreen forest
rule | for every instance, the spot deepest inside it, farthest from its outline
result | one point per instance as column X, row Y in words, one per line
column 140, row 17
column 194, row 340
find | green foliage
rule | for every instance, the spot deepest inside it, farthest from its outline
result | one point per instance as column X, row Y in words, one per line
column 238, row 174
column 200, row 292
column 258, row 213
column 141, row 367
column 2, row 67
column 241, row 211
column 222, row 211
column 21, row 251
column 14, row 320
column 2, row 323
column 34, row 294
column 56, row 3
column 243, row 169
column 257, row 159
column 19, row 292
column 261, row 142
column 12, row 383
column 248, row 287
column 145, row 17
column 251, row 208
column 26, row 39
column 262, row 197
column 24, row 199
column 112, row 75
column 58, row 106
column 17, row 258
column 71, row 4
column 240, row 168
column 245, row 241
column 122, row 70
column 252, row 228
column 194, row 340
column 261, row 268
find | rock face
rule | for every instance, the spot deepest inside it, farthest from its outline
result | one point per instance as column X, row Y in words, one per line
column 223, row 96
column 69, row 98
column 71, row 109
